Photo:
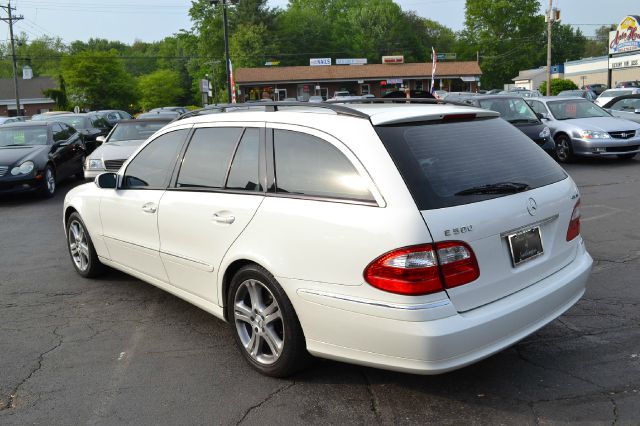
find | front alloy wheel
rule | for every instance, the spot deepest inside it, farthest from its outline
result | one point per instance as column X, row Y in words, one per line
column 563, row 149
column 83, row 254
column 48, row 188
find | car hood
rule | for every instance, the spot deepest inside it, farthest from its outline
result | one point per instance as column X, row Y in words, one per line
column 11, row 155
column 605, row 124
column 120, row 150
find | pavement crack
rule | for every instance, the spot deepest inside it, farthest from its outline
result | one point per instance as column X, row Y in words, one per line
column 13, row 396
column 264, row 401
column 372, row 397
column 615, row 411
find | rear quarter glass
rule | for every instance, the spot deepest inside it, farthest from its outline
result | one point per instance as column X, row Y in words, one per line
column 439, row 159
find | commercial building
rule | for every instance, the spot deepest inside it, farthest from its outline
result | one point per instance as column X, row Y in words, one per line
column 32, row 98
column 301, row 82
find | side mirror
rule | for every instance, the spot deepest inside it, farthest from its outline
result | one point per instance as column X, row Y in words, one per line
column 637, row 111
column 107, row 181
column 100, row 140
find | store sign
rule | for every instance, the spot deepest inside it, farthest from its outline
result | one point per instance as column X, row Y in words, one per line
column 625, row 62
column 394, row 81
column 314, row 62
column 395, row 59
column 445, row 56
column 271, row 63
column 351, row 61
column 626, row 38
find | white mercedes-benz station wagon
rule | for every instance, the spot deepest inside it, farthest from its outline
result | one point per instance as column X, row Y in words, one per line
column 411, row 237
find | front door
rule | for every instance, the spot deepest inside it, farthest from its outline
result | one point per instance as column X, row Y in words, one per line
column 216, row 194
column 130, row 213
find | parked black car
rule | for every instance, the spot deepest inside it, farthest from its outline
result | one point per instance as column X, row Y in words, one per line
column 34, row 156
column 113, row 116
column 517, row 112
column 89, row 125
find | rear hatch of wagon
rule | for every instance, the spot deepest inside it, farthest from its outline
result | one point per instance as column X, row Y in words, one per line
column 482, row 182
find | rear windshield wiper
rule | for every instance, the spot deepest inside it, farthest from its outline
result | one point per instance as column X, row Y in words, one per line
column 522, row 120
column 495, row 188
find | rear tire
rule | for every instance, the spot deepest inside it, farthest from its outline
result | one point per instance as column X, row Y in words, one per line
column 83, row 255
column 626, row 156
column 564, row 150
column 80, row 173
column 264, row 323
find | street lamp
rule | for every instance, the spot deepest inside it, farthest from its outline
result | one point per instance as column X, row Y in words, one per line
column 224, row 4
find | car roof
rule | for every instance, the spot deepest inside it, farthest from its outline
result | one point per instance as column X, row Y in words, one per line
column 546, row 99
column 376, row 113
column 27, row 124
column 494, row 96
column 161, row 119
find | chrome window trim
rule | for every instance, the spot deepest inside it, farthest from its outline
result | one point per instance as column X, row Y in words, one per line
column 390, row 305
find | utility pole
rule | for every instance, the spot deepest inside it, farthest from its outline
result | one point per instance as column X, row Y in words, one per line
column 10, row 20
column 224, row 4
column 549, row 26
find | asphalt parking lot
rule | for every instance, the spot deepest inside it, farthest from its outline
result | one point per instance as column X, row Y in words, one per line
column 119, row 351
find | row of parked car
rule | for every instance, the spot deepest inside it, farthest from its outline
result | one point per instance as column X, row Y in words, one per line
column 38, row 153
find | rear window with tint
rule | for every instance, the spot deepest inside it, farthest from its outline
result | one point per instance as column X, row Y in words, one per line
column 441, row 159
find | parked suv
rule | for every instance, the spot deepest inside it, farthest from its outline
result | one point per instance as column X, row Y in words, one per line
column 417, row 238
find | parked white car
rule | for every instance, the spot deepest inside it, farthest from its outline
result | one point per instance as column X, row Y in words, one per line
column 418, row 238
column 609, row 94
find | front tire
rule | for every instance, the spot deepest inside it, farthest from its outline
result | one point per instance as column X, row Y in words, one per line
column 264, row 323
column 564, row 150
column 49, row 186
column 83, row 255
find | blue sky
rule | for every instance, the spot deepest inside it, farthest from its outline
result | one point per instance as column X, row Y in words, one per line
column 149, row 20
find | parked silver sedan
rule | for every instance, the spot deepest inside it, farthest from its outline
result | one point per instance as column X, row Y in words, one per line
column 580, row 127
column 625, row 107
column 120, row 143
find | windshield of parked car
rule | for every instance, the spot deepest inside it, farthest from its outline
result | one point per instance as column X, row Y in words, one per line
column 135, row 131
column 612, row 93
column 74, row 121
column 512, row 110
column 21, row 136
column 575, row 108
column 566, row 93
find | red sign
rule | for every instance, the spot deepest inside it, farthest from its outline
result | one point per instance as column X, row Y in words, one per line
column 395, row 59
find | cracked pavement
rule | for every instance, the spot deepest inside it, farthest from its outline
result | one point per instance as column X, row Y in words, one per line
column 118, row 351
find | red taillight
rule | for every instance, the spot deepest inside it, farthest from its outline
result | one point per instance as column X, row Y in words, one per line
column 574, row 224
column 420, row 269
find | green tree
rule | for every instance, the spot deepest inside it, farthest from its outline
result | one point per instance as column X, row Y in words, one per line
column 507, row 33
column 98, row 80
column 160, row 88
column 558, row 85
column 599, row 44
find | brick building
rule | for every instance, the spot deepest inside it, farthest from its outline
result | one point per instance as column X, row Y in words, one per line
column 32, row 99
column 301, row 82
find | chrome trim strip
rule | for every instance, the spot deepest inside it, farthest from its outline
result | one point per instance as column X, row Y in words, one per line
column 415, row 307
column 204, row 265
column 529, row 226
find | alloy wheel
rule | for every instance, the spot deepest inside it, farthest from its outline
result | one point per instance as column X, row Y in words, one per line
column 50, row 180
column 258, row 321
column 78, row 245
column 562, row 149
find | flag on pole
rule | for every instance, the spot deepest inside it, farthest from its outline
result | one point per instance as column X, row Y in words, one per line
column 233, row 83
column 433, row 70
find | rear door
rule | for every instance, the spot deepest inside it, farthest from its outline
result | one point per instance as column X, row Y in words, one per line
column 216, row 193
column 517, row 229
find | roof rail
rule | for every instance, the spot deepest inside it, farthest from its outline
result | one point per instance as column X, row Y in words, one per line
column 338, row 106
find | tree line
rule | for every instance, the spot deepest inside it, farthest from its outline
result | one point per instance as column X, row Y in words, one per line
column 506, row 35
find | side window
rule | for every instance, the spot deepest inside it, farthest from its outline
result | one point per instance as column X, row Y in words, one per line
column 307, row 165
column 68, row 130
column 152, row 167
column 59, row 134
column 245, row 169
column 207, row 159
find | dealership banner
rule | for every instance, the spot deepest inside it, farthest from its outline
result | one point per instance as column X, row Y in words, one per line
column 626, row 38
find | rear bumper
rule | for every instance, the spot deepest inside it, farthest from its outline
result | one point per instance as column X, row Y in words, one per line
column 449, row 340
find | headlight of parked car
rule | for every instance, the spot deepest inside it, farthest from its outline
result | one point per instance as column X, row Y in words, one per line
column 592, row 134
column 545, row 133
column 23, row 169
column 93, row 164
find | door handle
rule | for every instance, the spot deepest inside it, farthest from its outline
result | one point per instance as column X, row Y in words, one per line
column 228, row 219
column 149, row 207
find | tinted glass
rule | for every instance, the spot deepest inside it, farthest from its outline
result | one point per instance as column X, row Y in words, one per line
column 627, row 105
column 207, row 159
column 538, row 107
column 439, row 160
column 58, row 133
column 306, row 165
column 569, row 109
column 74, row 120
column 512, row 110
column 244, row 173
column 153, row 165
column 138, row 130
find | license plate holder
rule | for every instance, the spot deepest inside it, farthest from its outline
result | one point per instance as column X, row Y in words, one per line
column 525, row 245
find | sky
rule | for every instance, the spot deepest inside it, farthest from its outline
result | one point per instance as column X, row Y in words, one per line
column 151, row 20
